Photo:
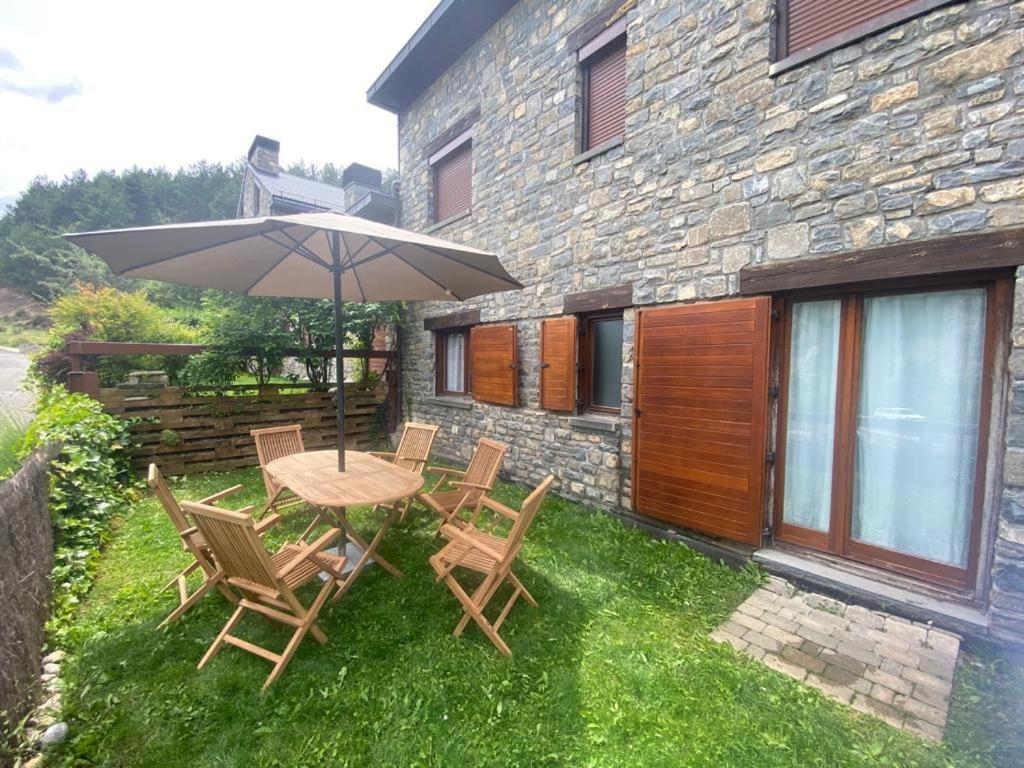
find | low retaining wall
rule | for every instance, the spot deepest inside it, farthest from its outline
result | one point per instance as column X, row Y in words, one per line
column 186, row 430
column 26, row 560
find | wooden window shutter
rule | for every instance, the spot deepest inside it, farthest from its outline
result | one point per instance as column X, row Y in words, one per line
column 558, row 363
column 606, row 95
column 494, row 364
column 700, row 417
column 453, row 179
column 808, row 24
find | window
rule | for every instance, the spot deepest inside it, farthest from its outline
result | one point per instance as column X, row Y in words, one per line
column 603, row 61
column 884, row 417
column 453, row 178
column 601, row 362
column 452, row 365
column 809, row 28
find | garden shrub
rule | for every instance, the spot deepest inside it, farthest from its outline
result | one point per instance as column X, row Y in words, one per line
column 90, row 480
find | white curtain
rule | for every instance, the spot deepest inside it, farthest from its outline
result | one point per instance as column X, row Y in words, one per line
column 811, row 414
column 454, row 363
column 917, row 422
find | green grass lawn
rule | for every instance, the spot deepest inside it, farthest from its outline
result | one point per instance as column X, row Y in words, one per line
column 614, row 669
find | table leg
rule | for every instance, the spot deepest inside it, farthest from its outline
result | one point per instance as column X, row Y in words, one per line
column 369, row 550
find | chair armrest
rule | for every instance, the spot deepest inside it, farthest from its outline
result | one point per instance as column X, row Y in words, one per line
column 500, row 508
column 452, row 533
column 268, row 522
column 214, row 498
column 446, row 471
column 308, row 550
column 383, row 454
column 190, row 531
column 470, row 486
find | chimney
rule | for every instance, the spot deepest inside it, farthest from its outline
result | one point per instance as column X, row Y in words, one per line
column 358, row 180
column 264, row 153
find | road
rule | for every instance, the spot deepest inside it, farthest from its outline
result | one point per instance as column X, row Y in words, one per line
column 13, row 367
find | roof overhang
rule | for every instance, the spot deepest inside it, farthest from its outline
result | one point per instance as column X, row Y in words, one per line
column 452, row 27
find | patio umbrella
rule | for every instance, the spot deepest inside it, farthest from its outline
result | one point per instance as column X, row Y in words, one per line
column 308, row 256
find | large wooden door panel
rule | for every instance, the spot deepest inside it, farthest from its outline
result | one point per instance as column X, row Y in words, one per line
column 701, row 416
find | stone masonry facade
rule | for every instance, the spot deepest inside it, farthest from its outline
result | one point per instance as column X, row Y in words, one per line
column 914, row 133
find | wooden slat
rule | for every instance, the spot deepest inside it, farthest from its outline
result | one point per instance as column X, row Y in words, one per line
column 494, row 364
column 701, row 437
column 558, row 363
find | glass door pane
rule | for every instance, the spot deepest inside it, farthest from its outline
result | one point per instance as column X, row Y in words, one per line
column 607, row 374
column 811, row 414
column 454, row 363
column 917, row 423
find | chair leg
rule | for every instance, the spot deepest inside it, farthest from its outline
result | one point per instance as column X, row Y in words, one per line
column 308, row 625
column 474, row 612
column 187, row 603
column 481, row 597
column 525, row 592
column 181, row 575
column 218, row 643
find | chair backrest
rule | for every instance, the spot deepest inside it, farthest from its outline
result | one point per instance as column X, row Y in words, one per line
column 486, row 462
column 527, row 512
column 156, row 481
column 414, row 447
column 275, row 443
column 231, row 536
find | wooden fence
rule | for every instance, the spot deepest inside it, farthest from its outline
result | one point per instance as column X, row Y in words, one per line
column 187, row 429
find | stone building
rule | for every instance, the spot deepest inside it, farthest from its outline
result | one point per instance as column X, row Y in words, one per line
column 770, row 246
column 269, row 191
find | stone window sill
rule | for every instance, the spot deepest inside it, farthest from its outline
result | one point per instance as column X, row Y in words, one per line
column 451, row 401
column 600, row 149
column 596, row 423
column 450, row 220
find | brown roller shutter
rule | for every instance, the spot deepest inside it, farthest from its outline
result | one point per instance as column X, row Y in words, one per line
column 494, row 364
column 700, row 416
column 558, row 364
column 811, row 22
column 453, row 183
column 606, row 94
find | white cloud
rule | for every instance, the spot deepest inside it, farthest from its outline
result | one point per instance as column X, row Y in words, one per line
column 118, row 84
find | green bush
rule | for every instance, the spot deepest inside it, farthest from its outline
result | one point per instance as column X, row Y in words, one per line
column 90, row 480
column 11, row 432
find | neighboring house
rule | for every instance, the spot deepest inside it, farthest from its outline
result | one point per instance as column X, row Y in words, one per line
column 268, row 191
column 769, row 253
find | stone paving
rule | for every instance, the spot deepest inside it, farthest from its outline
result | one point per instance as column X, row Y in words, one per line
column 882, row 665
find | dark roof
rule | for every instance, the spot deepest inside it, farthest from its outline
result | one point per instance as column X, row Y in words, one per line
column 449, row 31
column 298, row 189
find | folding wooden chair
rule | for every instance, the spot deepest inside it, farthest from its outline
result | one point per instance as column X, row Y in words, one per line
column 492, row 556
column 195, row 544
column 466, row 492
column 412, row 454
column 275, row 443
column 267, row 582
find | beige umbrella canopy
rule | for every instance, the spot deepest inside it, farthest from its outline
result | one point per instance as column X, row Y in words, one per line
column 307, row 255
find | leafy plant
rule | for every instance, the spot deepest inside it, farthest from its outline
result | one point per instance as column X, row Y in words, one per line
column 11, row 435
column 89, row 482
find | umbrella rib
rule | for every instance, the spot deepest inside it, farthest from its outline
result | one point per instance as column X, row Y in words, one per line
column 277, row 263
column 183, row 254
column 409, row 264
column 302, row 250
column 355, row 274
column 444, row 255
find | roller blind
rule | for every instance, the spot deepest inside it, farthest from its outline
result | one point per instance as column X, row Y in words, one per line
column 606, row 94
column 453, row 188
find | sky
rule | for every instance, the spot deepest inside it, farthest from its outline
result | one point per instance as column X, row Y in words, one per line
column 106, row 84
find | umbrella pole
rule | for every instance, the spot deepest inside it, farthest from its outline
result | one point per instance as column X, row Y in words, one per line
column 338, row 339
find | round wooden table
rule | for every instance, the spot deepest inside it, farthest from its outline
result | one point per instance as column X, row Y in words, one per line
column 313, row 476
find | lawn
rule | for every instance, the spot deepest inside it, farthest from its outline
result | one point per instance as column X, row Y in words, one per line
column 614, row 669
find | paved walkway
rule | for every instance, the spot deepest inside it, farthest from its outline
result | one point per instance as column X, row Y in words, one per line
column 14, row 400
column 881, row 665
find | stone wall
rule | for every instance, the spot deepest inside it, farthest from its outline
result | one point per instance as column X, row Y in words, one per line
column 914, row 133
column 26, row 559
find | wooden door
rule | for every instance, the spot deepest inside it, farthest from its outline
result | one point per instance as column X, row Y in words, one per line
column 700, row 416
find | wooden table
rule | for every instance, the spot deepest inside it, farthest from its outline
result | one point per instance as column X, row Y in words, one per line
column 313, row 476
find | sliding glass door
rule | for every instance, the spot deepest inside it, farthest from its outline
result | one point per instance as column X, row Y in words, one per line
column 883, row 413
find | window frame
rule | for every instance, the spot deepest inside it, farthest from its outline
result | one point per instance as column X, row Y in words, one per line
column 441, row 362
column 837, row 539
column 595, row 49
column 461, row 143
column 782, row 60
column 585, row 358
